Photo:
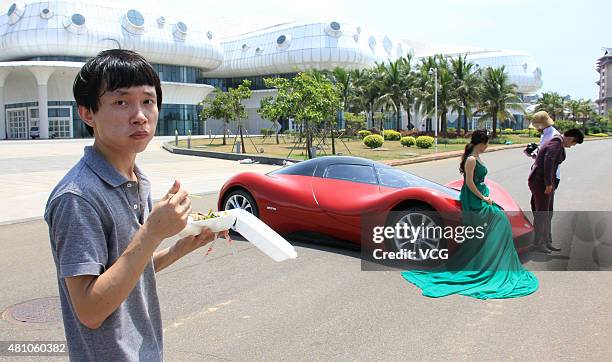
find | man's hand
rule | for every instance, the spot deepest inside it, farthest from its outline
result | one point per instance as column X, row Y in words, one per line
column 164, row 258
column 190, row 243
column 548, row 189
column 169, row 216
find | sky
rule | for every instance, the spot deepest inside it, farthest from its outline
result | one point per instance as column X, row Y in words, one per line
column 565, row 36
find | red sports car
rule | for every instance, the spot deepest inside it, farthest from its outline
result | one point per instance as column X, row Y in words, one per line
column 331, row 196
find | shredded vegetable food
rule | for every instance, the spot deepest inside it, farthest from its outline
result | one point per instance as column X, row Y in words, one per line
column 198, row 216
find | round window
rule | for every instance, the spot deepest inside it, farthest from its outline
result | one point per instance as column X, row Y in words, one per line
column 281, row 39
column 12, row 9
column 334, row 25
column 182, row 27
column 77, row 19
column 135, row 17
column 46, row 13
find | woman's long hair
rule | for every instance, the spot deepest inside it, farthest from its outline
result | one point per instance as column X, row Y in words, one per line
column 478, row 136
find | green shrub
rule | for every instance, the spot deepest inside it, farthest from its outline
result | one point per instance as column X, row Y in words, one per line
column 564, row 125
column 593, row 130
column 508, row 131
column 408, row 141
column 424, row 142
column 451, row 130
column 364, row 133
column 266, row 131
column 392, row 135
column 598, row 135
column 373, row 141
column 499, row 140
column 453, row 141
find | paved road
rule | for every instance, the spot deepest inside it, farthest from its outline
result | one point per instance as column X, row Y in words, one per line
column 30, row 169
column 322, row 306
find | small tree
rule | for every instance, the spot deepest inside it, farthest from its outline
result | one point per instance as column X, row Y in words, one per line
column 216, row 108
column 308, row 98
column 237, row 109
column 354, row 122
column 274, row 110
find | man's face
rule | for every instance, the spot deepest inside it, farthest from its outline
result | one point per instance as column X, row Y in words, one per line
column 126, row 118
column 569, row 142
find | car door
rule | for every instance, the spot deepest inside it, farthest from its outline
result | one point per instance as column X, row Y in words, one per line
column 343, row 191
column 291, row 207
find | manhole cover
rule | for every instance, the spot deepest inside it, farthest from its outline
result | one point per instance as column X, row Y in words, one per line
column 41, row 310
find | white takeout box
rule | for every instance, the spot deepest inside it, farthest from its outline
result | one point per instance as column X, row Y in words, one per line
column 224, row 221
column 250, row 227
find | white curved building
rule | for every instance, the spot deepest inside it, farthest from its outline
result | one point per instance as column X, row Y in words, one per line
column 43, row 44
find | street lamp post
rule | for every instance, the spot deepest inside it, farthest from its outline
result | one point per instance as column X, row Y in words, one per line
column 434, row 72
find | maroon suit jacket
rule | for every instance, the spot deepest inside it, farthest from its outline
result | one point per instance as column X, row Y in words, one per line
column 550, row 155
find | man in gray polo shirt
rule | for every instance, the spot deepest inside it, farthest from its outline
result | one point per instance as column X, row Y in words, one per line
column 103, row 228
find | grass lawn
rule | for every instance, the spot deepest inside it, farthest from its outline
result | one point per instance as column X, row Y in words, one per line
column 391, row 150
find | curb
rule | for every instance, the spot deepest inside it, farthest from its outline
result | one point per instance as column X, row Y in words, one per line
column 453, row 154
column 279, row 161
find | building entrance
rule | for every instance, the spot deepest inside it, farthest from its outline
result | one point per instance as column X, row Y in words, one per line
column 17, row 124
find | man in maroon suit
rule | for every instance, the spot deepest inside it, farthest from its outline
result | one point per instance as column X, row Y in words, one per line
column 542, row 183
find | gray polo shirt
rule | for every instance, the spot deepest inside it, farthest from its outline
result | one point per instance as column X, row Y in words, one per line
column 92, row 214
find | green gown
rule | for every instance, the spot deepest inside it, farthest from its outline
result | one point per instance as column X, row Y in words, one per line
column 482, row 268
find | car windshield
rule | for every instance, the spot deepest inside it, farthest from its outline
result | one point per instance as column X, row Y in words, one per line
column 392, row 177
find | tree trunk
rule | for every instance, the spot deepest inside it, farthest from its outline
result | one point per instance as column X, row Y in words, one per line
column 277, row 132
column 333, row 140
column 224, row 132
column 399, row 119
column 459, row 116
column 409, row 118
column 443, row 121
column 465, row 124
column 308, row 140
column 241, row 138
column 494, row 135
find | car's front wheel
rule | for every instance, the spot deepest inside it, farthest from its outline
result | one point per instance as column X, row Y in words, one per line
column 424, row 246
column 240, row 199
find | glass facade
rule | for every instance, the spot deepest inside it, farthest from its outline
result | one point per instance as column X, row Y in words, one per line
column 181, row 117
column 175, row 73
column 257, row 82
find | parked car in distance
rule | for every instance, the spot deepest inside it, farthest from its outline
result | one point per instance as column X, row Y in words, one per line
column 34, row 132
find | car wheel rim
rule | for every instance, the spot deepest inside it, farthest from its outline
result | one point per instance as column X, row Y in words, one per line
column 238, row 202
column 423, row 241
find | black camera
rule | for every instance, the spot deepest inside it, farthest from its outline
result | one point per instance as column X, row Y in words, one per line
column 531, row 148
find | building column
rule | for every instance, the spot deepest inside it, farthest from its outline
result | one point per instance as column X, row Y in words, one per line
column 3, row 126
column 42, row 77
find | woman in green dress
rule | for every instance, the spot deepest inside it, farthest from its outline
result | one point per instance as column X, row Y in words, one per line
column 486, row 267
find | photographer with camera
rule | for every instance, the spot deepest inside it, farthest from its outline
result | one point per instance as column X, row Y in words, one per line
column 544, row 125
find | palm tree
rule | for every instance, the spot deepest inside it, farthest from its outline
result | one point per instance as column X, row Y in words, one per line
column 367, row 92
column 410, row 77
column 425, row 92
column 342, row 79
column 467, row 85
column 552, row 103
column 574, row 108
column 498, row 96
column 393, row 86
column 585, row 112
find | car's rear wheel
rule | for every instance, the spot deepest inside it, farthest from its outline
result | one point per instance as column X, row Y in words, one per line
column 240, row 199
column 428, row 240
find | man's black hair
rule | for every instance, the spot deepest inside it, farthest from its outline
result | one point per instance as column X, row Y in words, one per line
column 576, row 133
column 110, row 70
